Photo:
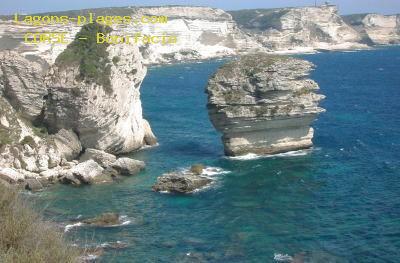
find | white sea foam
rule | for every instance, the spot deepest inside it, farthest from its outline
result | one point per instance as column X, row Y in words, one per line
column 69, row 227
column 108, row 244
column 124, row 220
column 149, row 146
column 283, row 257
column 253, row 156
column 212, row 171
column 89, row 258
column 249, row 156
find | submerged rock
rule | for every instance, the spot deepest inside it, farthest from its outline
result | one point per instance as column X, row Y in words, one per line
column 264, row 104
column 106, row 219
column 197, row 169
column 180, row 182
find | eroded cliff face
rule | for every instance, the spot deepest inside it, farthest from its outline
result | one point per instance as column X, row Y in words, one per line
column 22, row 84
column 202, row 33
column 299, row 29
column 264, row 104
column 104, row 110
column 375, row 28
column 88, row 101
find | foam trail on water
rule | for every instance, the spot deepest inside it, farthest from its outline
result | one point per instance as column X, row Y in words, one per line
column 69, row 227
column 283, row 258
column 253, row 156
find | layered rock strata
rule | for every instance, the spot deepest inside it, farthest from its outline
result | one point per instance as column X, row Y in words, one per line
column 201, row 32
column 204, row 32
column 303, row 29
column 375, row 28
column 264, row 104
column 106, row 118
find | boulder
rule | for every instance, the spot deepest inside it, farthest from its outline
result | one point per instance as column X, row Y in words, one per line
column 180, row 182
column 197, row 169
column 101, row 157
column 11, row 176
column 128, row 166
column 84, row 173
column 67, row 144
column 33, row 185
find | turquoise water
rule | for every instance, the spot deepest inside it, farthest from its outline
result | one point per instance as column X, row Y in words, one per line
column 338, row 203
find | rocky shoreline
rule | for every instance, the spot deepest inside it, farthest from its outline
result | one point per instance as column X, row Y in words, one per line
column 67, row 123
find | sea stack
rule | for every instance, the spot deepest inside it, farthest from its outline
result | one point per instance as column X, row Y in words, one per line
column 264, row 104
column 94, row 90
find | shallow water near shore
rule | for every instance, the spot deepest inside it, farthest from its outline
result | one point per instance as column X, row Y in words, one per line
column 339, row 202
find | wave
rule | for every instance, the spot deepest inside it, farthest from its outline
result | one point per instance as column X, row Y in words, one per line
column 253, row 156
column 149, row 146
column 123, row 219
column 209, row 172
column 283, row 257
column 213, row 171
column 70, row 226
column 114, row 245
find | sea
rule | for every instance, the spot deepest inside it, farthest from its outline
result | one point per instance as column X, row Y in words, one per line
column 337, row 202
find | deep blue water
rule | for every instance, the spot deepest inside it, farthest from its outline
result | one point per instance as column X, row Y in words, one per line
column 339, row 203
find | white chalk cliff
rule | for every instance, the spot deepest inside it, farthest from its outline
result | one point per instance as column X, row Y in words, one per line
column 108, row 119
column 303, row 29
column 204, row 32
column 375, row 28
column 89, row 100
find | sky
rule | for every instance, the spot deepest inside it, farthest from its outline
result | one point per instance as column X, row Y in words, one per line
column 345, row 6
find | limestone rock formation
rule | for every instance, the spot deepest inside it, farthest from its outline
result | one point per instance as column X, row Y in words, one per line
column 128, row 166
column 102, row 158
column 303, row 29
column 375, row 28
column 264, row 104
column 202, row 33
column 100, row 110
column 105, row 111
column 22, row 84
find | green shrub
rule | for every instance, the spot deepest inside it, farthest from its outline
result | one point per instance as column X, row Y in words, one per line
column 28, row 140
column 4, row 137
column 25, row 237
column 40, row 131
column 92, row 58
column 116, row 59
